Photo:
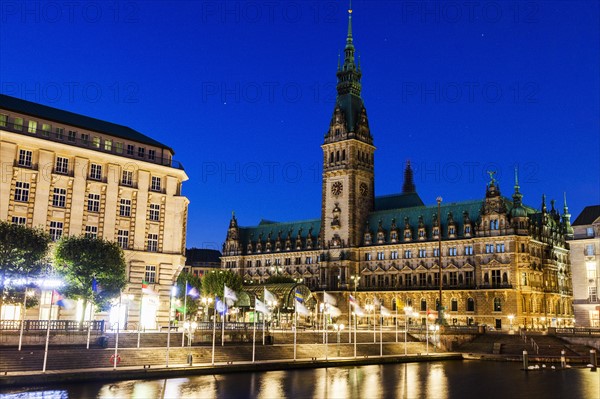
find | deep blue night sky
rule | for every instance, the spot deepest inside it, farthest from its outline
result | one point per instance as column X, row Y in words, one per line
column 244, row 91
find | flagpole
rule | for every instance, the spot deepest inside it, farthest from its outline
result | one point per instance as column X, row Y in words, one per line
column 89, row 325
column 140, row 318
column 254, row 334
column 264, row 314
column 184, row 313
column 295, row 325
column 214, row 330
column 349, row 322
column 427, row 331
column 223, row 323
column 396, row 319
column 23, row 318
column 374, row 325
column 48, row 333
column 169, row 325
column 326, row 337
column 354, row 333
column 381, row 335
column 116, row 355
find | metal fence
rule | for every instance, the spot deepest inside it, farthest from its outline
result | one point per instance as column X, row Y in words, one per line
column 55, row 325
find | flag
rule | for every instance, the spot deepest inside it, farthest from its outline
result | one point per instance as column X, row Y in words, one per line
column 146, row 288
column 192, row 291
column 330, row 299
column 269, row 297
column 94, row 285
column 299, row 296
column 58, row 299
column 333, row 311
column 228, row 293
column 259, row 306
column 220, row 306
column 399, row 303
column 376, row 301
column 385, row 312
column 301, row 309
column 352, row 301
column 358, row 310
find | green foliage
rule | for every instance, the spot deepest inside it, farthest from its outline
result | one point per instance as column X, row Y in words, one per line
column 214, row 280
column 81, row 259
column 193, row 281
column 279, row 280
column 22, row 253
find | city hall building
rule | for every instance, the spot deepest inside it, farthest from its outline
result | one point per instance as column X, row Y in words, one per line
column 70, row 174
column 503, row 262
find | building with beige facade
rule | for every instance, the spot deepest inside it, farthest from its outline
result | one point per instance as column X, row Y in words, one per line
column 71, row 175
column 498, row 261
column 585, row 262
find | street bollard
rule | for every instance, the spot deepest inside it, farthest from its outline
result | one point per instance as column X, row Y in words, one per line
column 190, row 359
column 593, row 359
column 525, row 361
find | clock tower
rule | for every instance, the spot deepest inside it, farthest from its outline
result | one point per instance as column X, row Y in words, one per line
column 348, row 173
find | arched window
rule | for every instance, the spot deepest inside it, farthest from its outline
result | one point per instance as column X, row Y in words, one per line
column 423, row 305
column 470, row 305
column 504, row 278
column 497, row 305
column 454, row 305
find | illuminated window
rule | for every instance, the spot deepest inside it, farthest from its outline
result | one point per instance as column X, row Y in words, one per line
column 3, row 120
column 118, row 147
column 96, row 142
column 108, row 145
column 18, row 124
column 46, row 129
column 32, row 127
column 497, row 305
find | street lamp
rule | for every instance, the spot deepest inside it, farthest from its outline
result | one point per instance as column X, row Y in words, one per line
column 510, row 320
column 206, row 301
column 338, row 328
column 173, row 294
column 190, row 327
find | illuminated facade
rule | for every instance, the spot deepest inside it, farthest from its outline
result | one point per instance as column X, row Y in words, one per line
column 72, row 175
column 585, row 261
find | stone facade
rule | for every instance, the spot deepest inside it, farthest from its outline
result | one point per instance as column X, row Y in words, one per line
column 74, row 175
column 585, row 261
column 499, row 257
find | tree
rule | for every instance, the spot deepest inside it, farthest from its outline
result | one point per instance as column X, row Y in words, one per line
column 193, row 281
column 22, row 251
column 213, row 282
column 81, row 259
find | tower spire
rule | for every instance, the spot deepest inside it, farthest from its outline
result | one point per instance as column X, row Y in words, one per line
column 409, row 184
column 566, row 219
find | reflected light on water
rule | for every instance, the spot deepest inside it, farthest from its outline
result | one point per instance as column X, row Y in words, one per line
column 272, row 386
column 437, row 382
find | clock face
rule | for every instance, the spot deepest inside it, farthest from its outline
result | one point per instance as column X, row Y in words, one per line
column 364, row 189
column 336, row 188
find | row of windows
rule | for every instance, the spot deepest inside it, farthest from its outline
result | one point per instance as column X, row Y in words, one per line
column 419, row 280
column 45, row 129
column 309, row 260
column 423, row 253
column 95, row 172
column 408, row 234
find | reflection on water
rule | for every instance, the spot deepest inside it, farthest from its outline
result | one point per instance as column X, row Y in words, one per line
column 452, row 379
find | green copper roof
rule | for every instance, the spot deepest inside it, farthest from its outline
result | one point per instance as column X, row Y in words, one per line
column 265, row 228
column 76, row 120
column 395, row 201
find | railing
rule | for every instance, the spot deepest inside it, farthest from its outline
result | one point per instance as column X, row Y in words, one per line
column 535, row 346
column 55, row 325
column 578, row 331
column 234, row 326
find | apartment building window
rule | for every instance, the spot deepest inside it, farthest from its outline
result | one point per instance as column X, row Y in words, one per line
column 394, row 255
column 468, row 250
column 591, row 270
column 499, row 248
column 85, row 138
column 59, row 198
column 151, row 154
column 496, row 280
column 150, row 276
column 62, row 165
column 59, row 132
column 125, row 207
column 96, row 142
column 258, row 263
column 56, row 230
column 155, row 186
column 452, row 251
column 298, row 261
column 18, row 124
column 32, row 127
column 454, row 305
column 380, row 255
column 130, row 149
column 423, row 305
column 123, row 238
column 93, row 202
column 407, row 254
column 46, row 129
column 277, row 262
column 368, row 256
column 589, row 231
column 127, row 178
column 95, row 171
column 589, row 250
column 118, row 147
column 19, row 220
column 489, row 248
column 152, row 242
column 72, row 135
column 593, row 294
column 154, row 212
column 422, row 279
column 436, row 252
column 107, row 145
column 25, row 157
column 141, row 152
column 21, row 191
column 309, row 260
column 3, row 120
column 453, row 278
column 91, row 231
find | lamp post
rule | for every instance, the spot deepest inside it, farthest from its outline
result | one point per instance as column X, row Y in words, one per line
column 510, row 320
column 355, row 279
column 440, row 307
column 173, row 294
column 435, row 328
column 338, row 328
column 190, row 327
column 369, row 308
column 206, row 301
column 407, row 312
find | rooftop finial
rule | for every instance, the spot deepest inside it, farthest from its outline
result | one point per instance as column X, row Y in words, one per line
column 349, row 38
